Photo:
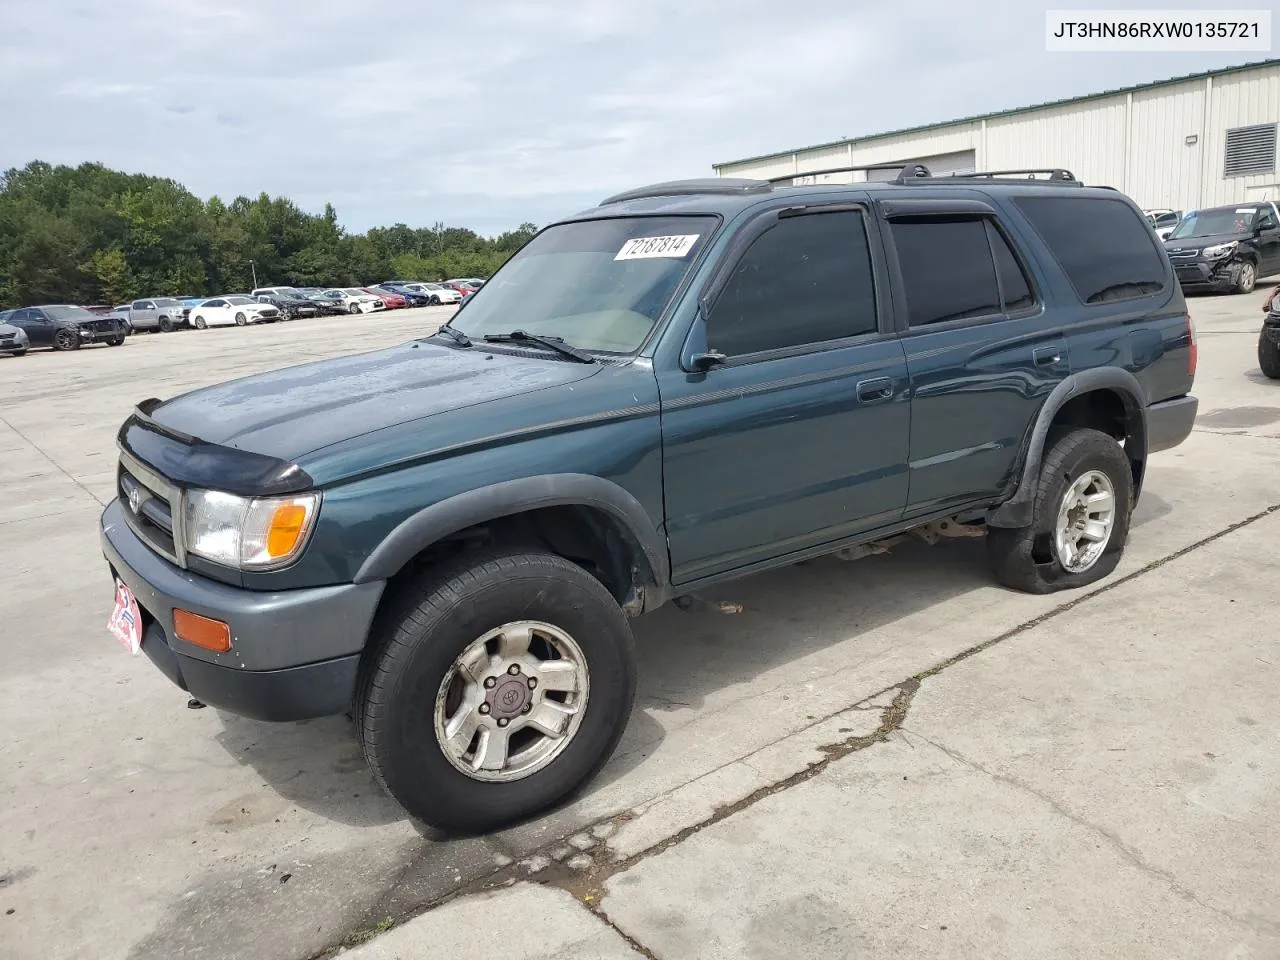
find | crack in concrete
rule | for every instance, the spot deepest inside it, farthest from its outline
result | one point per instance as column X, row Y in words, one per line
column 586, row 884
column 1125, row 850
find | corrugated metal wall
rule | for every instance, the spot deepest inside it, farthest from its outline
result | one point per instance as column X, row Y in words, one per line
column 1135, row 141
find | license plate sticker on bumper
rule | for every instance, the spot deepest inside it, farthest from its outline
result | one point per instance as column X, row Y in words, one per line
column 126, row 620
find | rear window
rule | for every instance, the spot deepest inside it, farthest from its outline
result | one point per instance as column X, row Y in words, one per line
column 1105, row 248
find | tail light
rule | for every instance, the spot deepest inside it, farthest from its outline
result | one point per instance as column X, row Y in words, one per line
column 1193, row 351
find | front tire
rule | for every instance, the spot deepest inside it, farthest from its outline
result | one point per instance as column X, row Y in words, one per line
column 66, row 340
column 1080, row 518
column 499, row 688
column 1246, row 277
column 166, row 325
column 241, row 320
column 116, row 341
column 435, row 301
column 200, row 324
column 354, row 308
column 1268, row 356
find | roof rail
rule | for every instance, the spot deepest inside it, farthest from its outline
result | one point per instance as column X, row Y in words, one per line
column 1055, row 173
column 907, row 171
column 690, row 188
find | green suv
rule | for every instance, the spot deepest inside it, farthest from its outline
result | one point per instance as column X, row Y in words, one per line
column 690, row 383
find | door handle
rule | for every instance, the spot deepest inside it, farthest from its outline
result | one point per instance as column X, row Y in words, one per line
column 871, row 391
column 1046, row 356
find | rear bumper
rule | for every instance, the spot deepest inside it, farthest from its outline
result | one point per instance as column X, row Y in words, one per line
column 294, row 653
column 1170, row 422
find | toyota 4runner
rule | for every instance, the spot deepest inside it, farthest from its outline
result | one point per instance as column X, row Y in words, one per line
column 690, row 383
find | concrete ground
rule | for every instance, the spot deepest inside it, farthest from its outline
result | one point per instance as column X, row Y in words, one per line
column 890, row 757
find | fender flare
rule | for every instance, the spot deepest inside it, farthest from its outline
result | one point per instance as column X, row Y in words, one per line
column 433, row 523
column 1016, row 511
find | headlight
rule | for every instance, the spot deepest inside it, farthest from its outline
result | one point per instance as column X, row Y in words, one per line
column 1220, row 250
column 251, row 534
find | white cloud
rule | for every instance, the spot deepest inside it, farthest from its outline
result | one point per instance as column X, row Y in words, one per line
column 517, row 110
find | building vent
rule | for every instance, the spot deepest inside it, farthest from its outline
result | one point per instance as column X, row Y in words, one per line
column 1250, row 150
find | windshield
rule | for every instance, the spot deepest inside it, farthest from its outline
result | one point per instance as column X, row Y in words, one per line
column 598, row 284
column 69, row 313
column 1212, row 223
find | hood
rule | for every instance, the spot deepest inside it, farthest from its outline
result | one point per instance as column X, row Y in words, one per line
column 287, row 413
column 1199, row 243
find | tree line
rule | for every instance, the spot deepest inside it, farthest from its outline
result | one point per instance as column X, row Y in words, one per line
column 89, row 234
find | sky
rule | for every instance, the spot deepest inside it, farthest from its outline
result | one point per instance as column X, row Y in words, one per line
column 507, row 111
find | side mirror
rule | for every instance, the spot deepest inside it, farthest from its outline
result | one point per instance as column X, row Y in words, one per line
column 702, row 362
column 698, row 357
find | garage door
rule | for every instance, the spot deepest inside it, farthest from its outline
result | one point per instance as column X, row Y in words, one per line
column 940, row 165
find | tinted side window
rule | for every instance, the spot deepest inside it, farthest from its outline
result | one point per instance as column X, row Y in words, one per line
column 1103, row 245
column 947, row 270
column 805, row 280
column 1014, row 286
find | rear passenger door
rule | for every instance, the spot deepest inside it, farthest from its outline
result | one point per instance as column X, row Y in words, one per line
column 981, row 353
column 799, row 435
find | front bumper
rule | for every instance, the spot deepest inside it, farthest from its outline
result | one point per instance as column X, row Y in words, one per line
column 1170, row 422
column 294, row 653
column 1207, row 274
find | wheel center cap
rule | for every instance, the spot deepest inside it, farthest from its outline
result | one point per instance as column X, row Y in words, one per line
column 507, row 699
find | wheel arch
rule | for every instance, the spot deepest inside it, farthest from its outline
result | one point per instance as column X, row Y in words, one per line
column 574, row 507
column 1106, row 398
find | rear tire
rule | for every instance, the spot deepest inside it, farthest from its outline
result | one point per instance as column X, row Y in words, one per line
column 406, row 686
column 1268, row 356
column 1080, row 465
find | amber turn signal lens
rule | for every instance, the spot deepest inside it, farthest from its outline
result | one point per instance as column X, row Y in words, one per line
column 202, row 631
column 285, row 529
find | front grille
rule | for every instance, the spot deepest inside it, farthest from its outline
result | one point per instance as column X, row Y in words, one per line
column 152, row 508
column 271, row 312
column 1183, row 254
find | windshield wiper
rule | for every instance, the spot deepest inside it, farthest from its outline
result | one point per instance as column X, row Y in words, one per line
column 551, row 343
column 457, row 336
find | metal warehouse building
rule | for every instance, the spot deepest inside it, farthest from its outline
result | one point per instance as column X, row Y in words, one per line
column 1190, row 142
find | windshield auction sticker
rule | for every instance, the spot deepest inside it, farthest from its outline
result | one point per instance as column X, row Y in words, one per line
column 642, row 248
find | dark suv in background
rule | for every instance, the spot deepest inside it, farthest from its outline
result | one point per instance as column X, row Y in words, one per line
column 1226, row 249
column 690, row 383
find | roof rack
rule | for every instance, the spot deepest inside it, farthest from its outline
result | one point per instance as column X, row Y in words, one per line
column 689, row 188
column 908, row 171
column 1055, row 173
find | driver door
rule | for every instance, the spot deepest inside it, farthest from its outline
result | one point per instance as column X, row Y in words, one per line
column 1268, row 241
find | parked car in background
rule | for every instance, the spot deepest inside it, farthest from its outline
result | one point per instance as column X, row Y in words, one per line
column 462, row 289
column 391, row 300
column 13, row 340
column 159, row 314
column 1268, row 337
column 328, row 307
column 354, row 300
column 438, row 293
column 63, row 326
column 290, row 302
column 474, row 282
column 235, row 310
column 1226, row 249
column 1163, row 220
column 412, row 297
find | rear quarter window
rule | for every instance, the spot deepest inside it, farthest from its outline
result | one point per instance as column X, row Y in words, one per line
column 1104, row 246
